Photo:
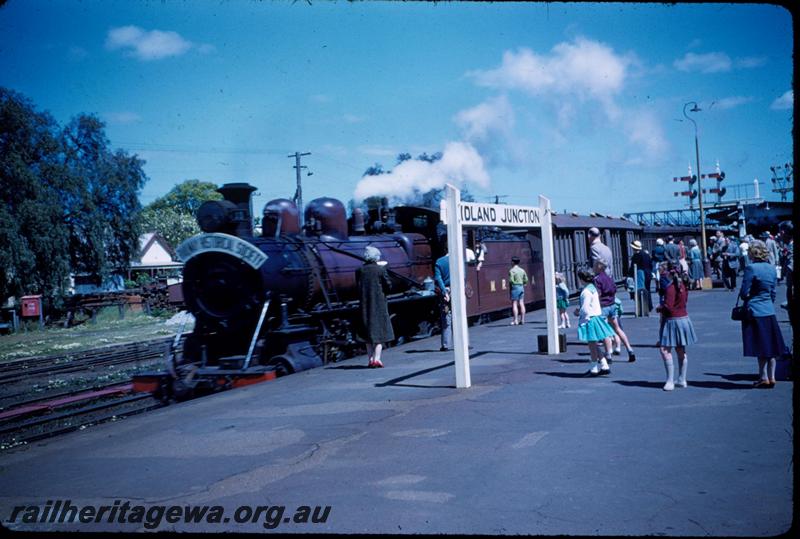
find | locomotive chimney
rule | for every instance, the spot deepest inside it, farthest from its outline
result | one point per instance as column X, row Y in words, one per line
column 241, row 195
column 358, row 222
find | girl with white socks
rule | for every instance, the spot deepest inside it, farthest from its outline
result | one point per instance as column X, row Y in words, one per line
column 592, row 326
column 677, row 330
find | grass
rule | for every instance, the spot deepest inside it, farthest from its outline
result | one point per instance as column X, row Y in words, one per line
column 107, row 330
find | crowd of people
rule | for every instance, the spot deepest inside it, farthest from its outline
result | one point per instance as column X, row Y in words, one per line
column 673, row 267
column 676, row 271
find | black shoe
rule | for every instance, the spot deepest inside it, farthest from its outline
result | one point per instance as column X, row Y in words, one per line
column 444, row 349
column 590, row 374
column 605, row 372
column 617, row 352
column 631, row 357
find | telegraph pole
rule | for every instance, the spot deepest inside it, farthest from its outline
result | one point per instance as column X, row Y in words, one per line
column 298, row 195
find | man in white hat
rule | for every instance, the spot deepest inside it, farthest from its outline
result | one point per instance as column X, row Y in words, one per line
column 641, row 259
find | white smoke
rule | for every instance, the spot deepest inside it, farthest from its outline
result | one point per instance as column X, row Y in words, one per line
column 460, row 164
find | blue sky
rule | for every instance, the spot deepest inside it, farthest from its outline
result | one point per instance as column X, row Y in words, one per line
column 580, row 102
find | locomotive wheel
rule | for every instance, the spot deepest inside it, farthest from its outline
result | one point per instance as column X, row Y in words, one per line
column 282, row 366
column 181, row 390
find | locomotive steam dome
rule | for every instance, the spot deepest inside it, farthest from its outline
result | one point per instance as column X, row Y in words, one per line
column 331, row 216
column 213, row 215
column 231, row 215
column 281, row 211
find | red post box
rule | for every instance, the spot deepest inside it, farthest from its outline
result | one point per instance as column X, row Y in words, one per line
column 31, row 305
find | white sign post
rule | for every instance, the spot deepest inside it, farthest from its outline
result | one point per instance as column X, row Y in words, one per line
column 458, row 298
column 456, row 214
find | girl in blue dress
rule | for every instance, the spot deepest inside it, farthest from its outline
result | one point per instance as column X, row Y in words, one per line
column 592, row 325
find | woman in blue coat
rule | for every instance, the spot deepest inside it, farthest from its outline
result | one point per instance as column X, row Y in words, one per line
column 761, row 335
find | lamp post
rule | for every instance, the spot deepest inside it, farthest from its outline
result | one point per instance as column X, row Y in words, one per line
column 706, row 262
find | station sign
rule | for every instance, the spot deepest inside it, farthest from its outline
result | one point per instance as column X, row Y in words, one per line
column 471, row 214
column 501, row 215
column 221, row 243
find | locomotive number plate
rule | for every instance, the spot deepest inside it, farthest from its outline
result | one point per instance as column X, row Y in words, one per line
column 221, row 243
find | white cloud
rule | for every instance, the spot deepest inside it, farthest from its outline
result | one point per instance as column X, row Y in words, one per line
column 151, row 45
column 712, row 62
column 583, row 68
column 460, row 164
column 489, row 128
column 644, row 130
column 486, row 120
column 750, row 62
column 206, row 48
column 122, row 118
column 353, row 118
column 784, row 102
column 695, row 43
column 731, row 102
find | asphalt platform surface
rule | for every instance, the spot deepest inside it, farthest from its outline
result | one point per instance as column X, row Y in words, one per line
column 533, row 447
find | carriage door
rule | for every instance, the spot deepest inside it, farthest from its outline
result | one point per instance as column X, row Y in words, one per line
column 629, row 237
column 564, row 257
column 613, row 242
column 581, row 253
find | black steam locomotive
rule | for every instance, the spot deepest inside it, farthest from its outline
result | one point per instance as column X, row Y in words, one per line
column 286, row 300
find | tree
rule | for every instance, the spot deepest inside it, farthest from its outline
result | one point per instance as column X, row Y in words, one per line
column 67, row 205
column 187, row 197
column 103, row 214
column 170, row 224
column 173, row 215
column 34, row 247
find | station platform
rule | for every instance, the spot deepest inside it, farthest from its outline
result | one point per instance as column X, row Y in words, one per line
column 533, row 447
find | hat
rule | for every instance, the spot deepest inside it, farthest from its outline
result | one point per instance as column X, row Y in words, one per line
column 594, row 231
column 636, row 245
column 659, row 241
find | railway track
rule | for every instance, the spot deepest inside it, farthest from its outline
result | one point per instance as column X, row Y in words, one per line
column 23, row 369
column 23, row 424
column 31, row 410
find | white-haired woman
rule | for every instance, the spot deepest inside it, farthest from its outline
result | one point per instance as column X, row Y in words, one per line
column 761, row 335
column 373, row 285
column 696, row 264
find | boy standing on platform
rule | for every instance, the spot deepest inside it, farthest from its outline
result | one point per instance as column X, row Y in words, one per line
column 517, row 279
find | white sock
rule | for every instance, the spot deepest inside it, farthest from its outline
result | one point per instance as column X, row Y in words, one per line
column 682, row 366
column 670, row 374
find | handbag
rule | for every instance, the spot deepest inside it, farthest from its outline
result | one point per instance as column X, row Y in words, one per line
column 739, row 312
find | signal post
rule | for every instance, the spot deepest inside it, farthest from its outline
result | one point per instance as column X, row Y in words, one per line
column 456, row 214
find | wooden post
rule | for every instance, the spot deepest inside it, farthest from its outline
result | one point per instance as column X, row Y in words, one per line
column 458, row 299
column 548, row 261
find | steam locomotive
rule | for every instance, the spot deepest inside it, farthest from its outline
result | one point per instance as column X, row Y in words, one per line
column 285, row 300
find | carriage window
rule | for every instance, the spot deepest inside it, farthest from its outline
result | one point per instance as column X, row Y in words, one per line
column 420, row 221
